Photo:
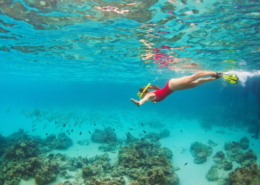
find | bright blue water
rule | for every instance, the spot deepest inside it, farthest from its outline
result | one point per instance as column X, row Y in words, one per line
column 54, row 57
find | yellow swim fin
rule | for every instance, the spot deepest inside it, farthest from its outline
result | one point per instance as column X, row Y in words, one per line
column 230, row 78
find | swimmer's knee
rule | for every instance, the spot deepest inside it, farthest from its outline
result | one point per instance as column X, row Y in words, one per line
column 197, row 75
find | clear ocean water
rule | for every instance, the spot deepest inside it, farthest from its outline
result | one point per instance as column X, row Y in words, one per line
column 68, row 70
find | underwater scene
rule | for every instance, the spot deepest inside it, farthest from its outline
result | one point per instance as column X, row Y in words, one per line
column 126, row 92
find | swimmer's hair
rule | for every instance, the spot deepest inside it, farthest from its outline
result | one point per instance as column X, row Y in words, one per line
column 155, row 87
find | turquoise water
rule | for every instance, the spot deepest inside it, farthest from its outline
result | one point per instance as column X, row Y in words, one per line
column 72, row 66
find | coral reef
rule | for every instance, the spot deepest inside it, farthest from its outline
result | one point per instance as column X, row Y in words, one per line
column 64, row 174
column 97, row 166
column 228, row 166
column 244, row 143
column 65, row 183
column 62, row 142
column 131, row 139
column 22, row 150
column 220, row 163
column 46, row 173
column 246, row 159
column 148, row 163
column 200, row 152
column 212, row 143
column 155, row 136
column 165, row 133
column 245, row 176
column 142, row 161
column 43, row 171
column 212, row 174
column 106, row 181
column 3, row 145
column 24, row 158
column 235, row 154
column 218, row 157
column 104, row 136
column 231, row 145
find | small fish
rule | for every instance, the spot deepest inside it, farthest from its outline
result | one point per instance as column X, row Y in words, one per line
column 128, row 133
column 56, row 122
column 68, row 131
column 233, row 142
column 171, row 13
column 95, row 124
column 158, row 139
column 105, row 141
column 253, row 136
column 72, row 130
column 181, row 130
column 64, row 125
column 185, row 164
column 253, row 144
column 142, row 124
column 89, row 132
column 113, row 129
column 80, row 133
column 142, row 139
column 131, row 129
column 205, row 130
column 32, row 130
column 46, row 134
column 144, row 131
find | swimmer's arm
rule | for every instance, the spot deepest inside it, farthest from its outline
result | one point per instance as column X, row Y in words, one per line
column 148, row 97
column 135, row 102
column 142, row 101
column 145, row 99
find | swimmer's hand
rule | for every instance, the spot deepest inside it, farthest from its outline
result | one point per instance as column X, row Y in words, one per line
column 135, row 102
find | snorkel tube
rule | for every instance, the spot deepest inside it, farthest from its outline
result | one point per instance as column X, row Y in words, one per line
column 140, row 95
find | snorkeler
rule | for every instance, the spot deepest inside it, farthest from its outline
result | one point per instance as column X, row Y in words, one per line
column 182, row 83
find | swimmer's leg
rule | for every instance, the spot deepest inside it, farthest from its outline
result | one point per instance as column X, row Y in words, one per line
column 180, row 83
column 198, row 82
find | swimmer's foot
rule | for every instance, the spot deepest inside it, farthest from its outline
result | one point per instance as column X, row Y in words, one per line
column 135, row 102
column 218, row 75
